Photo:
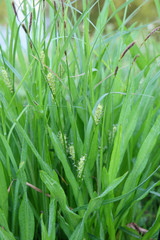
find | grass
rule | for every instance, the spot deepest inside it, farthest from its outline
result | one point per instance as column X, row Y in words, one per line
column 79, row 125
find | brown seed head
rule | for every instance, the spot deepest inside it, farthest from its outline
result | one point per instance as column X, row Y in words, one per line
column 116, row 70
column 31, row 44
column 14, row 9
column 154, row 30
column 62, row 1
column 127, row 48
column 55, row 5
column 135, row 58
column 30, row 22
column 24, row 28
column 65, row 25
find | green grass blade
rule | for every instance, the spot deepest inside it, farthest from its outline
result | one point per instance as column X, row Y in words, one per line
column 52, row 219
column 95, row 203
column 143, row 155
column 3, row 220
column 6, row 235
column 152, row 230
column 44, row 234
column 78, row 233
column 43, row 165
column 3, row 192
column 10, row 153
column 114, row 162
column 26, row 220
column 57, row 191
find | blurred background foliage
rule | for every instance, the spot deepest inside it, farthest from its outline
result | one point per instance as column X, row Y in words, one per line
column 146, row 14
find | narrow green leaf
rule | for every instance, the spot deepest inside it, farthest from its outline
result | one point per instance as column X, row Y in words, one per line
column 78, row 232
column 93, row 150
column 73, row 31
column 6, row 235
column 59, row 194
column 152, row 230
column 3, row 220
column 44, row 234
column 11, row 15
column 93, row 205
column 143, row 156
column 130, row 232
column 26, row 220
column 43, row 164
column 96, row 203
column 114, row 162
column 102, row 17
column 126, row 195
column 3, row 192
column 15, row 207
column 52, row 219
column 67, row 229
column 9, row 151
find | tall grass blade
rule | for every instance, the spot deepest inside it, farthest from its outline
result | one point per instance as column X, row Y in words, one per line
column 26, row 220
column 57, row 191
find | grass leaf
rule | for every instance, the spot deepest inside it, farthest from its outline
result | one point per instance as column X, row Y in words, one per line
column 26, row 220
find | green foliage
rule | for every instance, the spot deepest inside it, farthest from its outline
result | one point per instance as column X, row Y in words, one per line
column 79, row 124
column 26, row 219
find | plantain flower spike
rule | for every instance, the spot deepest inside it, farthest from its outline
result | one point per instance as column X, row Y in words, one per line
column 61, row 138
column 98, row 114
column 72, row 152
column 80, row 166
column 6, row 80
column 52, row 84
column 42, row 57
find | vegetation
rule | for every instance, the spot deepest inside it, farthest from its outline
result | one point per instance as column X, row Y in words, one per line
column 79, row 125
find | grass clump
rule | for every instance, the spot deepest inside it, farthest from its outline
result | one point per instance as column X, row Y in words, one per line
column 79, row 125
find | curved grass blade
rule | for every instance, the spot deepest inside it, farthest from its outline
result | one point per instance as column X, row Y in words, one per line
column 143, row 156
column 153, row 229
column 121, row 196
column 96, row 203
column 6, row 235
column 59, row 194
column 3, row 220
column 9, row 152
column 93, row 205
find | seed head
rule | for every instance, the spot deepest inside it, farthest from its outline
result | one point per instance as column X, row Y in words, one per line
column 112, row 133
column 6, row 80
column 42, row 57
column 114, row 129
column 80, row 166
column 116, row 70
column 24, row 28
column 135, row 58
column 153, row 31
column 30, row 22
column 127, row 48
column 14, row 9
column 52, row 84
column 61, row 138
column 98, row 114
column 72, row 152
